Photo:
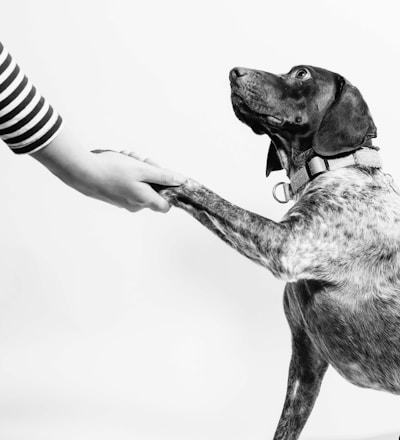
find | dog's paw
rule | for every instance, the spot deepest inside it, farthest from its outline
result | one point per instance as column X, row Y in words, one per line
column 175, row 195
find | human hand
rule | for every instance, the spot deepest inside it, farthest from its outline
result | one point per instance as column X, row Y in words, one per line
column 110, row 176
column 128, row 182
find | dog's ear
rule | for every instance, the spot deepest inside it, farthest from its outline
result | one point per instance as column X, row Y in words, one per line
column 347, row 123
column 273, row 161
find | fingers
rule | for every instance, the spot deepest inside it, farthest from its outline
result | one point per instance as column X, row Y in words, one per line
column 154, row 173
column 141, row 158
column 161, row 176
column 151, row 162
column 133, row 154
column 126, row 182
column 151, row 172
column 100, row 150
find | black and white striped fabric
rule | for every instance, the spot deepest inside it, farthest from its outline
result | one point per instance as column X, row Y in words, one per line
column 27, row 121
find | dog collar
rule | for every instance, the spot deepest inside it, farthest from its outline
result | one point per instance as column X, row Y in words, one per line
column 317, row 165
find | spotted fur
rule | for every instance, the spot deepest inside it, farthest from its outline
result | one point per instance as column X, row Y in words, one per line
column 338, row 248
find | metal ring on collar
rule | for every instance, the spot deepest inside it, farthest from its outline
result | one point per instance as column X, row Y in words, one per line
column 286, row 192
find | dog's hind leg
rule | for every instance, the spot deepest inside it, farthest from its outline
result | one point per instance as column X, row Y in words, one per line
column 306, row 371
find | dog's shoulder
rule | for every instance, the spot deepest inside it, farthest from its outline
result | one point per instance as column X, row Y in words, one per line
column 344, row 195
column 348, row 219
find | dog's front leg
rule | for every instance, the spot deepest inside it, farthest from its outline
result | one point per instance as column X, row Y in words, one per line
column 306, row 371
column 260, row 239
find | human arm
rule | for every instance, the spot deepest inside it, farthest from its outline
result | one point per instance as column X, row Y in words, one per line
column 30, row 125
column 111, row 177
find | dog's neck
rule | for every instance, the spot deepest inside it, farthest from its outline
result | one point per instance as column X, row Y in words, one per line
column 303, row 164
column 295, row 153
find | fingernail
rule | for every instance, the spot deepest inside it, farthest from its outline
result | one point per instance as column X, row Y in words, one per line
column 179, row 179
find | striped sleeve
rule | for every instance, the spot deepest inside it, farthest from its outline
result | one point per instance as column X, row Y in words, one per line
column 27, row 121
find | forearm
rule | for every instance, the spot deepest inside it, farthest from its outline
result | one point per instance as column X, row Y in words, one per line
column 66, row 158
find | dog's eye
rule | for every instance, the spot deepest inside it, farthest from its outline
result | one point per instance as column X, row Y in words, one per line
column 302, row 74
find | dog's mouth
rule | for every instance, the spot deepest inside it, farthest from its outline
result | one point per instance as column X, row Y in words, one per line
column 256, row 116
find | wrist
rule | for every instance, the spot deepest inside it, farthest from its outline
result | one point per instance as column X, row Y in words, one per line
column 70, row 162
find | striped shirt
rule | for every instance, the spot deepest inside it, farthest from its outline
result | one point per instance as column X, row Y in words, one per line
column 27, row 121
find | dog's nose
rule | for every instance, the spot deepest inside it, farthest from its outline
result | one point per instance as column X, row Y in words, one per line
column 237, row 72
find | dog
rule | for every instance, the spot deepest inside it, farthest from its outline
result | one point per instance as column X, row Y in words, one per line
column 338, row 246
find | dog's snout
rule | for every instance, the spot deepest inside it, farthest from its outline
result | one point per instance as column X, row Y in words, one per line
column 238, row 72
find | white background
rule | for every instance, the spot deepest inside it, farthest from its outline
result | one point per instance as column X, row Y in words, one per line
column 144, row 326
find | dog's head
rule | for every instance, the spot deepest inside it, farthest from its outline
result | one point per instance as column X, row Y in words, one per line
column 308, row 107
